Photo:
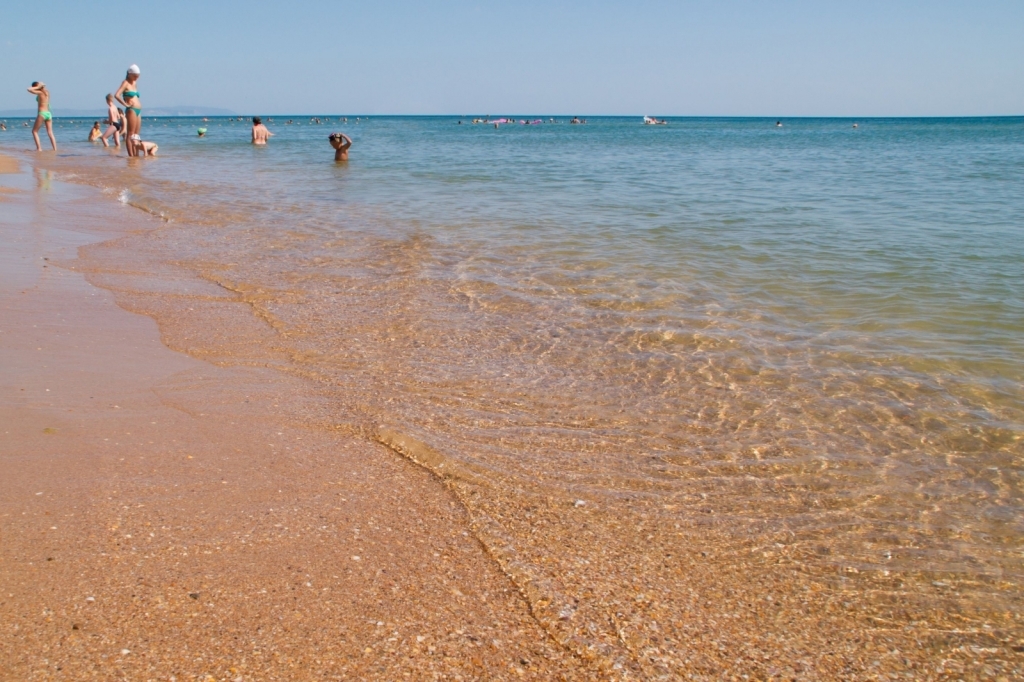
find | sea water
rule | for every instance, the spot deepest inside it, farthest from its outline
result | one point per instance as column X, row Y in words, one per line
column 812, row 332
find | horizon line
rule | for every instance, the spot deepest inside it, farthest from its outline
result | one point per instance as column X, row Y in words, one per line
column 17, row 113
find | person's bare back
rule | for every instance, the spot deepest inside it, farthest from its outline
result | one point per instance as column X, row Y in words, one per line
column 260, row 133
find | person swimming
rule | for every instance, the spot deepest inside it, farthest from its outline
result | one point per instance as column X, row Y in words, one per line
column 128, row 96
column 43, row 116
column 341, row 142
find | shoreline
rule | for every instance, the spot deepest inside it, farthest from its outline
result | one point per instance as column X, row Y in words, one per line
column 709, row 592
column 166, row 516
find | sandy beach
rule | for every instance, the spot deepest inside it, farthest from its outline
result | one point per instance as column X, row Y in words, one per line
column 686, row 344
column 162, row 518
column 211, row 473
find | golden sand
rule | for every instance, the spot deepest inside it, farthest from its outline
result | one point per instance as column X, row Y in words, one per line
column 163, row 518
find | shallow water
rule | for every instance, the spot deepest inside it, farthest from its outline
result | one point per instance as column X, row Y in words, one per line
column 807, row 338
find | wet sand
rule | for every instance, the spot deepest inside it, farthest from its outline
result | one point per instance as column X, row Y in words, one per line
column 163, row 518
column 8, row 165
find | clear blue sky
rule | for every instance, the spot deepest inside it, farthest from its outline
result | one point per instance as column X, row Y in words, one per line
column 731, row 57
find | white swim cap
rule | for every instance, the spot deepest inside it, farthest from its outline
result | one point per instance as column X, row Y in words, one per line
column 134, row 68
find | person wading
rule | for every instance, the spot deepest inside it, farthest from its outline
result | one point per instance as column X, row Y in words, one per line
column 260, row 133
column 43, row 116
column 128, row 96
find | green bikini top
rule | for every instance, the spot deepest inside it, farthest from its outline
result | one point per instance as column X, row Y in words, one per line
column 131, row 93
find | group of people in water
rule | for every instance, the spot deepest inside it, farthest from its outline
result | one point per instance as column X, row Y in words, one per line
column 126, row 122
column 526, row 122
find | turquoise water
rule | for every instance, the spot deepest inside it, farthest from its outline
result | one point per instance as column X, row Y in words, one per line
column 905, row 231
column 669, row 311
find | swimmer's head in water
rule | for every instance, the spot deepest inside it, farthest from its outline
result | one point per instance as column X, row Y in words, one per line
column 256, row 120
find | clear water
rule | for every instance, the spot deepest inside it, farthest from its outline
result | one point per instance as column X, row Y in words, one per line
column 815, row 329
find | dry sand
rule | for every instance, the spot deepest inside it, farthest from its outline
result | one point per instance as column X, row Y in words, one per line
column 162, row 518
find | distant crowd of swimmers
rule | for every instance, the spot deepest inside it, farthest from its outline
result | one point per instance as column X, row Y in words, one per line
column 526, row 122
column 316, row 120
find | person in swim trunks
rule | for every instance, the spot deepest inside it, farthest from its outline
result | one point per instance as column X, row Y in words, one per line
column 128, row 96
column 115, row 123
column 43, row 116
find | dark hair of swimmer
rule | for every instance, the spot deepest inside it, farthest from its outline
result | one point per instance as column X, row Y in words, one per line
column 256, row 120
column 35, row 83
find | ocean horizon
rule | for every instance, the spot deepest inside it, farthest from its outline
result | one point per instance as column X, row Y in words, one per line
column 213, row 112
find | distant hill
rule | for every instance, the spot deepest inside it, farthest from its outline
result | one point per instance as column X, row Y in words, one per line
column 101, row 112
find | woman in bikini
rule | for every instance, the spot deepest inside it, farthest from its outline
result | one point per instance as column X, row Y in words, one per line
column 128, row 96
column 43, row 116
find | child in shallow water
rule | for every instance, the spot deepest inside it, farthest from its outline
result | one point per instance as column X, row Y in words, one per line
column 115, row 123
column 147, row 148
column 341, row 142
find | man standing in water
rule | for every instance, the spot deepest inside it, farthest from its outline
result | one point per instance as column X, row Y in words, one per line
column 341, row 142
column 260, row 134
column 43, row 116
